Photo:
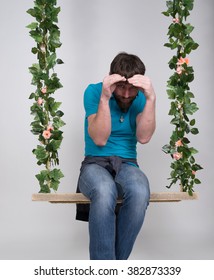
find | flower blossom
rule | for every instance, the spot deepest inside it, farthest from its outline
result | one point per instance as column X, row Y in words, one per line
column 176, row 20
column 180, row 62
column 46, row 134
column 177, row 156
column 50, row 127
column 193, row 172
column 178, row 143
column 179, row 70
column 44, row 89
column 39, row 101
column 183, row 60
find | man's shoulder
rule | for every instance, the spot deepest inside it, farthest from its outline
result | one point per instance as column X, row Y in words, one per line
column 94, row 87
column 92, row 93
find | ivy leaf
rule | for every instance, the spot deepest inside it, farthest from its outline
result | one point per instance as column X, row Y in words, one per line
column 54, row 185
column 32, row 95
column 51, row 60
column 166, row 149
column 193, row 151
column 197, row 181
column 36, row 35
column 40, row 153
column 56, row 174
column 32, row 25
column 57, row 122
column 192, row 122
column 54, row 145
column 59, row 61
column 190, row 108
column 194, row 131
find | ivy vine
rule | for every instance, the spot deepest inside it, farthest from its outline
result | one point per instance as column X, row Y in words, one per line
column 45, row 110
column 183, row 167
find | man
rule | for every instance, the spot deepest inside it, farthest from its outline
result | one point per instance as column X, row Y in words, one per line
column 120, row 112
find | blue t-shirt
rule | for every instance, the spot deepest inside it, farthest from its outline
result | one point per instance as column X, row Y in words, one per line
column 122, row 140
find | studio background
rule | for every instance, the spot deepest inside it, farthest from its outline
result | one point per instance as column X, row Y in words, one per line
column 92, row 33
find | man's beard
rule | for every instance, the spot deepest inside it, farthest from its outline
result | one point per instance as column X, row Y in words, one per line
column 124, row 103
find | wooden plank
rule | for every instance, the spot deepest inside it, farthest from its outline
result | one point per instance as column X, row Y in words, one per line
column 80, row 198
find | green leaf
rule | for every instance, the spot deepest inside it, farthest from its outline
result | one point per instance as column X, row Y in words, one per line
column 194, row 131
column 59, row 61
column 56, row 174
column 44, row 188
column 171, row 93
column 32, row 25
column 166, row 148
column 197, row 181
column 190, row 108
column 31, row 12
column 54, row 185
column 59, row 113
column 40, row 153
column 185, row 140
column 192, row 160
column 166, row 14
column 56, row 106
column 42, row 176
column 54, row 39
column 192, row 122
column 36, row 35
column 57, row 122
column 197, row 167
column 32, row 95
column 193, row 151
column 57, row 135
column 34, row 50
column 54, row 145
column 51, row 60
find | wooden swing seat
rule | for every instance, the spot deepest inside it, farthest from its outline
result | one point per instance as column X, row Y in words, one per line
column 79, row 198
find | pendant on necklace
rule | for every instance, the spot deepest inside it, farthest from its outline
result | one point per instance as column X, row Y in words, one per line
column 121, row 118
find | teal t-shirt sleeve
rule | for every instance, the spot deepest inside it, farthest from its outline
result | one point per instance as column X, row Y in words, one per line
column 141, row 102
column 92, row 98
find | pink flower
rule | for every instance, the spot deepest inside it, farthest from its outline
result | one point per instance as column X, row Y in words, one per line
column 44, row 90
column 39, row 101
column 177, row 156
column 50, row 127
column 176, row 20
column 178, row 143
column 183, row 60
column 193, row 172
column 179, row 70
column 46, row 134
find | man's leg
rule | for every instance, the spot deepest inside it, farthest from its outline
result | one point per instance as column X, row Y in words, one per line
column 97, row 184
column 134, row 186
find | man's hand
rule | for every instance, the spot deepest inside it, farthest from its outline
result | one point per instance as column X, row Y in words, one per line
column 109, row 84
column 144, row 84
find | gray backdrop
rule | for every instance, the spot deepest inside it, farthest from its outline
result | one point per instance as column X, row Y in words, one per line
column 92, row 33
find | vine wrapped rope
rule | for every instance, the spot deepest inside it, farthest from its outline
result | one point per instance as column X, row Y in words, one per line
column 47, row 115
column 183, row 167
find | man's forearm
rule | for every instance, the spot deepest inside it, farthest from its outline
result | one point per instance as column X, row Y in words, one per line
column 100, row 125
column 146, row 122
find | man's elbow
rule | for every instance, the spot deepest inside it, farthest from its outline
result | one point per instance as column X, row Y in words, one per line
column 99, row 142
column 144, row 140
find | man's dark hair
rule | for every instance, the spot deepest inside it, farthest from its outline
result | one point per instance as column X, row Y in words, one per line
column 127, row 65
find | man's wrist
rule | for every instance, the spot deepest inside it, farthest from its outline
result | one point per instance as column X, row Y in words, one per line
column 104, row 98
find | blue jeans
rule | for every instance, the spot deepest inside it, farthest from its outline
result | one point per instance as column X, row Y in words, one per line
column 112, row 236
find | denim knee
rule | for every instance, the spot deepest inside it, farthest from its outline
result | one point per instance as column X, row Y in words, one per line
column 98, row 185
column 133, row 184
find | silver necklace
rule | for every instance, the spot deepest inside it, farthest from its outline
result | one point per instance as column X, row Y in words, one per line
column 121, row 118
